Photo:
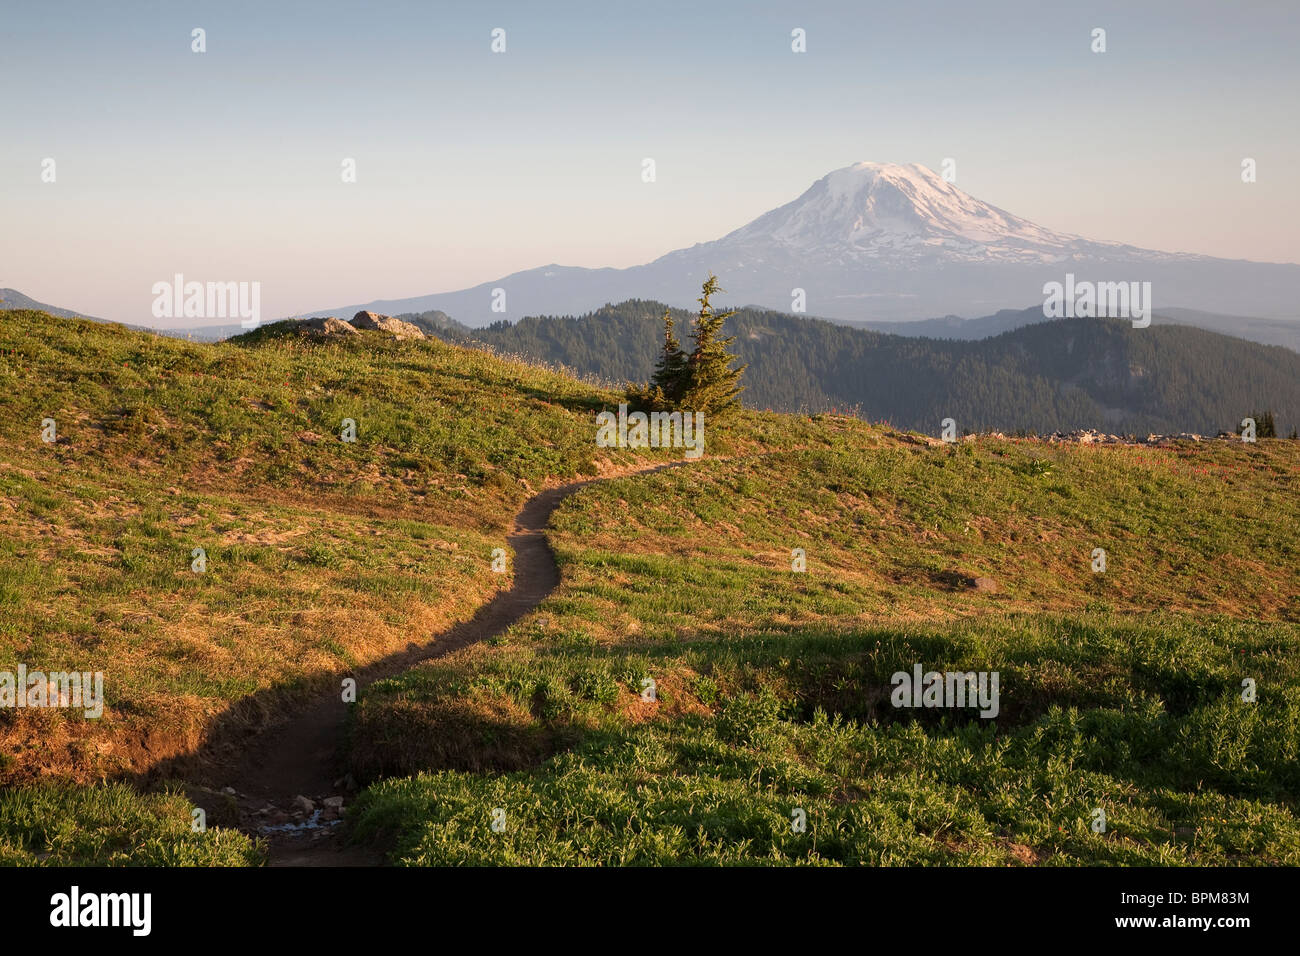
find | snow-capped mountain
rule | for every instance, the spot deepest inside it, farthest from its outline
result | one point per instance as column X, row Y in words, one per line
column 880, row 241
column 891, row 213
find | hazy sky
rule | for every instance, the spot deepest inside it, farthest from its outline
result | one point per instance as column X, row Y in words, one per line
column 226, row 165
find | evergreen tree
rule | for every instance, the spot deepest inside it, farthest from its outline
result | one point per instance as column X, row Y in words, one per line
column 711, row 383
column 1264, row 424
column 1268, row 429
column 669, row 379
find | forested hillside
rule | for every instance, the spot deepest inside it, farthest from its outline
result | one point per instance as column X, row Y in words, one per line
column 1071, row 373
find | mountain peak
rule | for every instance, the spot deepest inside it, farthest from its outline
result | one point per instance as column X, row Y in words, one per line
column 895, row 211
column 913, row 172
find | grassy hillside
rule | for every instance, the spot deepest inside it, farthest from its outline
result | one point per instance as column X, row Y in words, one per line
column 322, row 555
column 1067, row 374
column 1119, row 691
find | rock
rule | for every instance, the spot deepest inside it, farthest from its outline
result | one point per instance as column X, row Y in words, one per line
column 326, row 327
column 333, row 803
column 386, row 323
column 302, row 804
column 229, row 791
column 985, row 584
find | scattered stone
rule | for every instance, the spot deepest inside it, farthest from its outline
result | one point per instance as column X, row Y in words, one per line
column 1087, row 436
column 335, row 803
column 985, row 584
column 302, row 804
column 229, row 791
column 326, row 327
column 386, row 323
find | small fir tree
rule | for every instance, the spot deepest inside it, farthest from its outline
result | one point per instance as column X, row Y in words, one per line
column 702, row 381
column 669, row 379
column 712, row 385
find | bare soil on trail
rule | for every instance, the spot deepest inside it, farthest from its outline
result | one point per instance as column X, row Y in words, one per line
column 301, row 755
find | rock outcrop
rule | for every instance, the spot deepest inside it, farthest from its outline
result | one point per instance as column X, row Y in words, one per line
column 326, row 327
column 386, row 323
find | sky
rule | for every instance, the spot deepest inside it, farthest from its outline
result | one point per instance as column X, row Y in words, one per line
column 226, row 165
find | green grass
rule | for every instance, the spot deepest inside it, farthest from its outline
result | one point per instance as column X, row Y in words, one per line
column 322, row 555
column 1119, row 691
column 438, row 426
column 774, row 686
column 899, row 530
column 111, row 826
column 1142, row 719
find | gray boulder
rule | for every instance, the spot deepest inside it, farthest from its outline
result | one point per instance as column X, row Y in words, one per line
column 386, row 323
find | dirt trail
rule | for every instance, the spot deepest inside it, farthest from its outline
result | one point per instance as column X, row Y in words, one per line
column 300, row 756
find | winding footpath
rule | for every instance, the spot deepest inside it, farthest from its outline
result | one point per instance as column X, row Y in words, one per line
column 301, row 755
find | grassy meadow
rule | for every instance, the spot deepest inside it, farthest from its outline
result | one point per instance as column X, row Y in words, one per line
column 770, row 736
column 1120, row 691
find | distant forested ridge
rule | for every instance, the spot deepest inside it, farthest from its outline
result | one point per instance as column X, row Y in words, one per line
column 1064, row 374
